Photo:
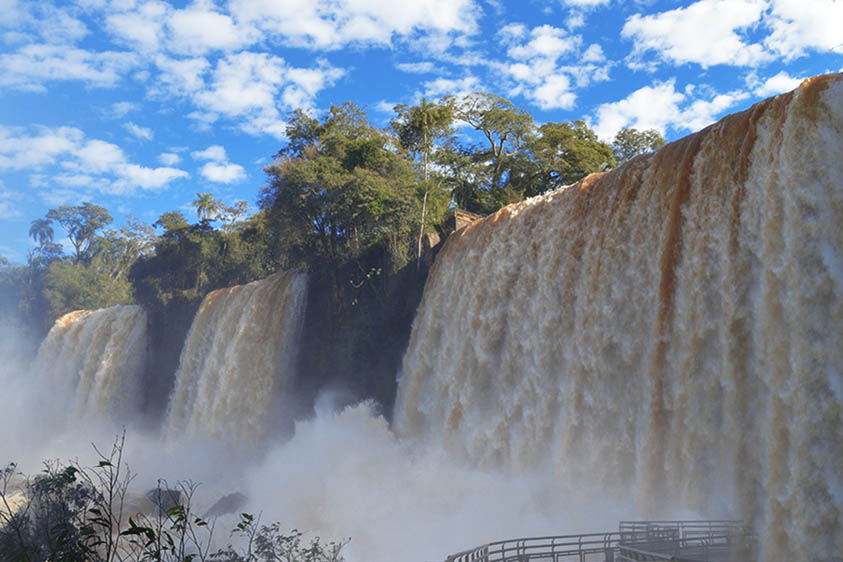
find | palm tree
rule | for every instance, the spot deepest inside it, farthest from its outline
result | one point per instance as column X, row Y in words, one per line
column 41, row 230
column 206, row 206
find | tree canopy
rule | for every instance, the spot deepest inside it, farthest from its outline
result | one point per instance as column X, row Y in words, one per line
column 81, row 224
column 629, row 143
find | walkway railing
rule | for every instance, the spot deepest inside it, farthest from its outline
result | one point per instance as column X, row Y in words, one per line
column 637, row 541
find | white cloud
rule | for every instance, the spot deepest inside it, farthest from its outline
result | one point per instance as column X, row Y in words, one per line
column 585, row 3
column 333, row 24
column 650, row 107
column 703, row 112
column 416, row 67
column 120, row 109
column 706, row 33
column 142, row 27
column 130, row 176
column 535, row 70
column 661, row 106
column 63, row 156
column 32, row 65
column 169, row 158
column 248, row 87
column 8, row 206
column 555, row 92
column 214, row 152
column 198, row 29
column 446, row 86
column 180, row 77
column 547, row 42
column 778, row 84
column 799, row 26
column 223, row 173
column 594, row 53
column 19, row 150
column 143, row 133
column 97, row 156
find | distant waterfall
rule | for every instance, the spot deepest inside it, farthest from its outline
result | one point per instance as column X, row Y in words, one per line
column 671, row 330
column 238, row 357
column 91, row 363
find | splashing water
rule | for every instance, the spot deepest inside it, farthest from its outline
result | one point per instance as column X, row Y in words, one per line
column 90, row 364
column 238, row 357
column 670, row 332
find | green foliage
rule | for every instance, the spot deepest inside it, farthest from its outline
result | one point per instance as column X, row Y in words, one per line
column 73, row 285
column 504, row 126
column 81, row 224
column 419, row 129
column 41, row 230
column 562, row 154
column 71, row 513
column 629, row 143
column 337, row 190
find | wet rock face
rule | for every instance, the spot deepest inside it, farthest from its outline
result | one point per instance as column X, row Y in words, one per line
column 165, row 498
column 230, row 503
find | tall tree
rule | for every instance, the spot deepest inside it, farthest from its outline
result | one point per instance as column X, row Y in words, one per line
column 339, row 188
column 629, row 143
column 564, row 153
column 206, row 206
column 504, row 126
column 81, row 224
column 41, row 230
column 418, row 128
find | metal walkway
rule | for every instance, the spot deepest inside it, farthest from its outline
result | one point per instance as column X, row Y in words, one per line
column 634, row 541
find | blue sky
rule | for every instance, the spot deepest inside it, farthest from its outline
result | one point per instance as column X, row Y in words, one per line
column 137, row 105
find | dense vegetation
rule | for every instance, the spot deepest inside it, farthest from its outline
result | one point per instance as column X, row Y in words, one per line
column 73, row 513
column 360, row 208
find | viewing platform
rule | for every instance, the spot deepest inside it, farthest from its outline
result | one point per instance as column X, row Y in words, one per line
column 634, row 541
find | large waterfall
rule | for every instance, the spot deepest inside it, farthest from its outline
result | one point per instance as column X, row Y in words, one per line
column 670, row 331
column 91, row 362
column 238, row 357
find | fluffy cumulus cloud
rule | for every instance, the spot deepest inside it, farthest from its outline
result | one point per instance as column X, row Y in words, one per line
column 143, row 133
column 63, row 155
column 223, row 173
column 218, row 169
column 169, row 158
column 774, row 85
column 456, row 86
column 660, row 106
column 253, row 88
column 34, row 64
column 799, row 27
column 215, row 153
column 332, row 24
column 546, row 63
column 9, row 204
column 707, row 32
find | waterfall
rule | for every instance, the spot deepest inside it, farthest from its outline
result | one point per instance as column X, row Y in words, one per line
column 91, row 362
column 670, row 331
column 238, row 357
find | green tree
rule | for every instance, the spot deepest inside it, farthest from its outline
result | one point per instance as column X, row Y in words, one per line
column 207, row 208
column 41, row 230
column 562, row 154
column 81, row 224
column 171, row 221
column 337, row 189
column 418, row 128
column 629, row 143
column 504, row 126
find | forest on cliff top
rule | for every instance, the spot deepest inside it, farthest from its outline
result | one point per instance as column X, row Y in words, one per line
column 361, row 208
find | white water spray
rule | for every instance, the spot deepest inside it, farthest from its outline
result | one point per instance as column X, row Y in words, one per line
column 670, row 332
column 238, row 358
column 90, row 364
